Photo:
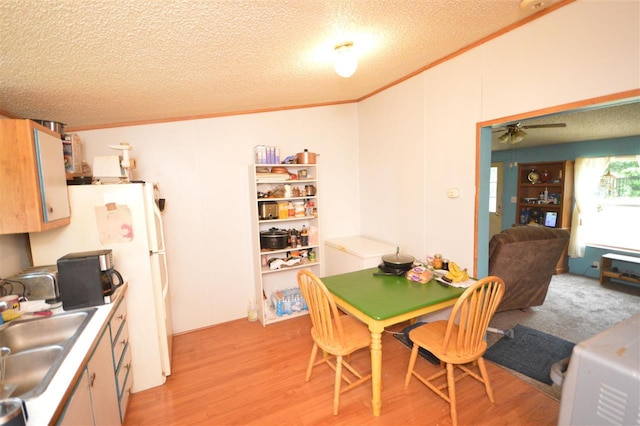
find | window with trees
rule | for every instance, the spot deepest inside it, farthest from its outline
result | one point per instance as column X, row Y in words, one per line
column 607, row 191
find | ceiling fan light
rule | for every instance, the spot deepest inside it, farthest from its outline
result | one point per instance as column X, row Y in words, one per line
column 506, row 138
column 516, row 135
column 516, row 138
column 520, row 133
column 346, row 60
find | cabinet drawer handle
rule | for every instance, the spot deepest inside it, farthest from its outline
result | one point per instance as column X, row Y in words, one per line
column 50, row 209
column 127, row 367
column 92, row 379
column 121, row 317
column 123, row 342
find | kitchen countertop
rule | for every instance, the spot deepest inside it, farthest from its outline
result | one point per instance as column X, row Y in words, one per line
column 44, row 407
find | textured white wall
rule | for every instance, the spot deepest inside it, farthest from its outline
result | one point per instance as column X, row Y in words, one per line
column 14, row 254
column 452, row 94
column 202, row 167
column 584, row 50
column 392, row 167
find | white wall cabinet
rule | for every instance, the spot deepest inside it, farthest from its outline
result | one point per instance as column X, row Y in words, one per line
column 33, row 181
column 298, row 189
column 101, row 393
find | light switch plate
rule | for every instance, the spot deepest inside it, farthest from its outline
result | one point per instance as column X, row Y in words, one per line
column 514, row 200
column 453, row 193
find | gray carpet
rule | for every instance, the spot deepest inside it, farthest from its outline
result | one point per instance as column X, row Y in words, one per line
column 531, row 352
column 575, row 309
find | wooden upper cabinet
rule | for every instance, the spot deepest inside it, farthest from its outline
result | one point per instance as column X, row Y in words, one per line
column 33, row 183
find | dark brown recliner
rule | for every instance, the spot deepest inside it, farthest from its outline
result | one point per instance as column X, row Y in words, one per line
column 525, row 257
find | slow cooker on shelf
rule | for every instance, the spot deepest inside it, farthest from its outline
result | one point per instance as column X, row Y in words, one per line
column 274, row 239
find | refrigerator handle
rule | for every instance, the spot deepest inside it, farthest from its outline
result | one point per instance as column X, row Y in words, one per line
column 160, row 228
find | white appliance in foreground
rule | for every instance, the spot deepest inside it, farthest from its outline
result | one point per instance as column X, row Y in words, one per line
column 602, row 383
column 126, row 219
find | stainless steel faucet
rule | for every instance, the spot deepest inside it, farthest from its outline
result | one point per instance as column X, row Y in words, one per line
column 4, row 353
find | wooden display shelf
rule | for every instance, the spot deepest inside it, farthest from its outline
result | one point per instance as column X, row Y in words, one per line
column 606, row 264
column 559, row 187
column 556, row 177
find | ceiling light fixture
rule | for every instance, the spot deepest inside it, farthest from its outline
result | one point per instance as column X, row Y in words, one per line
column 346, row 60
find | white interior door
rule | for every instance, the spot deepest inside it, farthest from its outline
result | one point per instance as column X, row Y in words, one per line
column 495, row 199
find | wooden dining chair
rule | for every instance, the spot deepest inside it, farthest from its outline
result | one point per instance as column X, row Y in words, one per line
column 459, row 341
column 338, row 336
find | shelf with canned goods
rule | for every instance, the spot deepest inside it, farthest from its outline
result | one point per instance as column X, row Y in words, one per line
column 293, row 242
column 285, row 171
column 304, row 263
column 287, row 209
column 284, row 207
column 286, row 191
column 289, row 250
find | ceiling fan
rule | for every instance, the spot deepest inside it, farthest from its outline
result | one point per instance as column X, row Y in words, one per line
column 515, row 133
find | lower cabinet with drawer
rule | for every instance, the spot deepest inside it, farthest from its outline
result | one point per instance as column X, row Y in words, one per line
column 101, row 393
column 121, row 357
column 94, row 400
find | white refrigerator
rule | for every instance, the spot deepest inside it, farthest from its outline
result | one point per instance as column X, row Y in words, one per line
column 126, row 219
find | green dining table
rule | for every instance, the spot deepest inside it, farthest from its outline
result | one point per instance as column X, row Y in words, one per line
column 381, row 301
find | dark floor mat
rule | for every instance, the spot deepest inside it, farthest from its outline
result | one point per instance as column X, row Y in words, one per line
column 404, row 338
column 530, row 352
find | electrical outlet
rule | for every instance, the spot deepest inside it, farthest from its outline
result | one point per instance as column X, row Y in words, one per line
column 595, row 265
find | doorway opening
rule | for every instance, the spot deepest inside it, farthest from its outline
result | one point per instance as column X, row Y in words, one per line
column 486, row 141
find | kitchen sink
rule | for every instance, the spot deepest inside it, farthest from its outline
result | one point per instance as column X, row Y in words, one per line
column 55, row 330
column 31, row 371
column 38, row 348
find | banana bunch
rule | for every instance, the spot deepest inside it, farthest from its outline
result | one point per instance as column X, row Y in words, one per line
column 456, row 274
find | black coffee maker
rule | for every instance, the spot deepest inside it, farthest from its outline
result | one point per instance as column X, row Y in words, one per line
column 87, row 279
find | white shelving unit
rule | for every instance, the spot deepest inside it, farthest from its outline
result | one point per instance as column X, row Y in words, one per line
column 269, row 281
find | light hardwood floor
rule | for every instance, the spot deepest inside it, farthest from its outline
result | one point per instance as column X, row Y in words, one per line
column 241, row 373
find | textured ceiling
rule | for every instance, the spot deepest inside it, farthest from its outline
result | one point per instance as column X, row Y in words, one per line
column 103, row 62
column 97, row 63
column 595, row 123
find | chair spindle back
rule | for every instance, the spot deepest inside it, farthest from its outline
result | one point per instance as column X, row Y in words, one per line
column 472, row 313
column 323, row 311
